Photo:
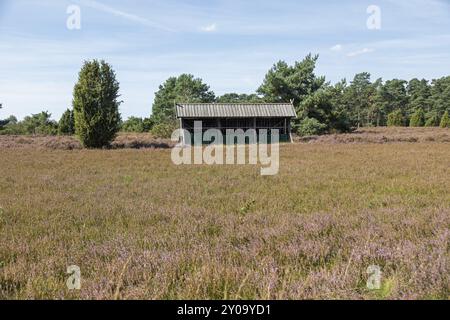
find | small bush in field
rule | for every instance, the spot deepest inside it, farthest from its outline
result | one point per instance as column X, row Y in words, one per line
column 445, row 121
column 163, row 130
column 396, row 119
column 432, row 121
column 133, row 124
column 40, row 123
column 417, row 118
column 311, row 127
column 148, row 124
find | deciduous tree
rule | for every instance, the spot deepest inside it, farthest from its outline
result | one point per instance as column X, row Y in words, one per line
column 183, row 89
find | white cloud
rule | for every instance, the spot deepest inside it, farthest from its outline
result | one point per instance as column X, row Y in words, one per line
column 210, row 28
column 359, row 52
column 336, row 48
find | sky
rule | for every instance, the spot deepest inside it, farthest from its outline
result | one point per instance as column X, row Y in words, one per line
column 230, row 44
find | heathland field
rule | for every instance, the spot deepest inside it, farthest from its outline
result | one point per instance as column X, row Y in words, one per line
column 140, row 227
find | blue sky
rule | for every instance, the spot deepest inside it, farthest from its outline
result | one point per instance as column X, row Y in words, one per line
column 230, row 44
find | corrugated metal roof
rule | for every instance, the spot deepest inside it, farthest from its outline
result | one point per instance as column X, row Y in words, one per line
column 230, row 110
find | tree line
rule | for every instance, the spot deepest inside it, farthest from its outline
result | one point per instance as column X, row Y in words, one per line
column 321, row 106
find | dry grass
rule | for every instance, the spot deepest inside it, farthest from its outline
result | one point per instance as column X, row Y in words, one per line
column 123, row 141
column 147, row 141
column 140, row 227
column 383, row 135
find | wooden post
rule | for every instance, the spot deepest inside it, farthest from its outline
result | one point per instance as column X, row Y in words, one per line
column 290, row 131
column 256, row 133
column 182, row 137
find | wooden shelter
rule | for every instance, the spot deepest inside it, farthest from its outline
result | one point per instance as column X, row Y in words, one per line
column 225, row 116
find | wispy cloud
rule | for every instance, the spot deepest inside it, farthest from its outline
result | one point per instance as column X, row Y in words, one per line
column 360, row 52
column 125, row 15
column 336, row 48
column 209, row 28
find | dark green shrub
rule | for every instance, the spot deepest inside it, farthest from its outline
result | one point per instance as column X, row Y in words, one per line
column 445, row 121
column 148, row 124
column 10, row 121
column 95, row 105
column 39, row 123
column 133, row 124
column 417, row 118
column 396, row 119
column 67, row 123
column 163, row 130
column 432, row 120
column 311, row 127
column 12, row 127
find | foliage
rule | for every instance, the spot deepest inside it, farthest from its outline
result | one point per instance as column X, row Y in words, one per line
column 432, row 120
column 3, row 122
column 445, row 121
column 396, row 119
column 419, row 93
column 440, row 95
column 36, row 124
column 12, row 127
column 312, row 97
column 359, row 96
column 317, row 106
column 40, row 124
column 391, row 96
column 11, row 120
column 324, row 106
column 67, row 123
column 133, row 124
column 163, row 130
column 284, row 83
column 95, row 104
column 341, row 107
column 417, row 118
column 340, row 119
column 182, row 89
column 311, row 127
column 147, row 124
column 239, row 98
